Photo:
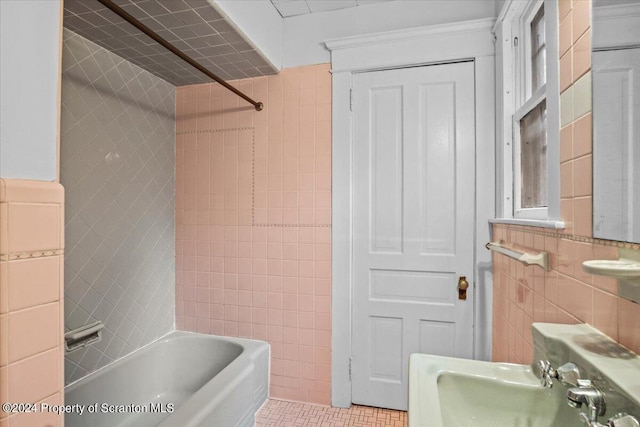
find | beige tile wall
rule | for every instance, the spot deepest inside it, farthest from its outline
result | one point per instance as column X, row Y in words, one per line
column 523, row 295
column 253, row 203
column 31, row 298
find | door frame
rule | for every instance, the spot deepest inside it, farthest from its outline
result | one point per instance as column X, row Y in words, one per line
column 467, row 40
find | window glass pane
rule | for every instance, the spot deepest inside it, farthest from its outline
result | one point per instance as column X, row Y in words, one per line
column 538, row 52
column 533, row 158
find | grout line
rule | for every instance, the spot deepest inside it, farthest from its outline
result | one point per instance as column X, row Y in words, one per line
column 292, row 225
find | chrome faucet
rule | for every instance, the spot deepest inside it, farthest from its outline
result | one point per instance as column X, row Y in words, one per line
column 586, row 394
column 568, row 374
column 619, row 420
column 623, row 420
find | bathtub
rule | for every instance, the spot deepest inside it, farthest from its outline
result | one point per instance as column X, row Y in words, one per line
column 181, row 380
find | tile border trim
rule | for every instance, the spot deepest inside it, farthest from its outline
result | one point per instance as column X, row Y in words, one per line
column 573, row 237
column 30, row 255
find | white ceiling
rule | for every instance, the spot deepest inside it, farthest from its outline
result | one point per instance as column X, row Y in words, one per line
column 288, row 8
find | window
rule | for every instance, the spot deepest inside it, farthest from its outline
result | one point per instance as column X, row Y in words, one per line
column 530, row 110
column 533, row 158
column 530, row 116
column 538, row 51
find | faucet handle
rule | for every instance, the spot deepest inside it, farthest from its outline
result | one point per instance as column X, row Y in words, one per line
column 582, row 383
column 547, row 373
column 623, row 420
column 569, row 375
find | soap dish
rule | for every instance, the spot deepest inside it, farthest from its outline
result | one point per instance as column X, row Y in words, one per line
column 618, row 268
column 626, row 269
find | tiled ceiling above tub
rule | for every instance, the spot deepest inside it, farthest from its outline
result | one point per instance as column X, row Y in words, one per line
column 192, row 26
column 288, row 8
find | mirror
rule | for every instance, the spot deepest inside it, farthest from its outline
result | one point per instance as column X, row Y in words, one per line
column 615, row 64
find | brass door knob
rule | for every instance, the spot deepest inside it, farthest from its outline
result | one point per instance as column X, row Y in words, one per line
column 463, row 285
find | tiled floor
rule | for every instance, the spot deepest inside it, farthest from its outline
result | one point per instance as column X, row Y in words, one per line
column 279, row 413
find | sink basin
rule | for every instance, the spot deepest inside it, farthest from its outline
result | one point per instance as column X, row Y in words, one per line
column 450, row 392
column 467, row 393
column 467, row 400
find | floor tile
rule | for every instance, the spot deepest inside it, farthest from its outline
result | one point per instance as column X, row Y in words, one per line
column 280, row 413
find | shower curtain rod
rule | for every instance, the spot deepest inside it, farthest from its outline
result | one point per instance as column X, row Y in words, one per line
column 139, row 25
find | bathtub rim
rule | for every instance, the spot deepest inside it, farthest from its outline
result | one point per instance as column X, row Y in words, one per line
column 246, row 344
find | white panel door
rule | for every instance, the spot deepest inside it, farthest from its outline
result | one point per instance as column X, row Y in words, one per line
column 413, row 222
column 616, row 114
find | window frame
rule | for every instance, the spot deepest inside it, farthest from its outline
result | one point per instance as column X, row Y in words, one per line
column 515, row 100
column 519, row 212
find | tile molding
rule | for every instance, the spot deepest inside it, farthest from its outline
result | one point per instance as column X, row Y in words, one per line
column 30, row 255
column 14, row 190
column 573, row 237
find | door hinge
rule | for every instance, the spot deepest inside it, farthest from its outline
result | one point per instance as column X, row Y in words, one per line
column 350, row 368
column 351, row 99
column 515, row 42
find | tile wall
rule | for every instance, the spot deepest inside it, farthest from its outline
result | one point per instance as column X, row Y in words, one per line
column 31, row 298
column 565, row 294
column 194, row 26
column 117, row 166
column 253, row 221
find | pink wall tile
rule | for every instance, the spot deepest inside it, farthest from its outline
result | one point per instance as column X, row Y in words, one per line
column 566, row 212
column 605, row 313
column 31, row 292
column 28, row 191
column 33, row 281
column 564, row 7
column 582, row 216
column 566, row 70
column 4, row 339
column 33, row 330
column 582, row 176
column 581, row 56
column 629, row 324
column 566, row 179
column 582, row 136
column 32, row 227
column 43, row 418
column 565, row 40
column 34, row 378
column 265, row 190
column 4, row 287
column 4, row 384
column 581, row 18
column 565, row 294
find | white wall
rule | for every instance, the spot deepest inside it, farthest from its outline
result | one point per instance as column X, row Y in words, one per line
column 29, row 76
column 259, row 21
column 499, row 6
column 304, row 34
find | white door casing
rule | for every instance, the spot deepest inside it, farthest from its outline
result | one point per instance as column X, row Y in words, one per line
column 413, row 215
column 436, row 44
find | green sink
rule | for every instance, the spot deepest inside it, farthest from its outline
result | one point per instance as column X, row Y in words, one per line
column 475, row 401
column 449, row 392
